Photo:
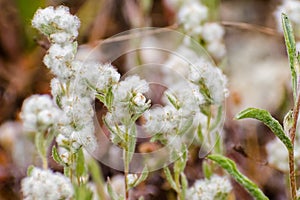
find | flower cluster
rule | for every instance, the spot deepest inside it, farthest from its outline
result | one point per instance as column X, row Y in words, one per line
column 45, row 184
column 39, row 113
column 193, row 16
column 215, row 188
column 75, row 81
column 127, row 105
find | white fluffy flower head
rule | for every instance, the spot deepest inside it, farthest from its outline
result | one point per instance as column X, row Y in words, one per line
column 46, row 185
column 215, row 188
column 39, row 113
column 57, row 21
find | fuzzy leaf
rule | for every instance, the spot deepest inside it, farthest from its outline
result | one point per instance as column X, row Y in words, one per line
column 142, row 177
column 265, row 117
column 80, row 167
column 56, row 157
column 39, row 141
column 291, row 50
column 179, row 164
column 82, row 192
column 173, row 100
column 131, row 143
column 96, row 175
column 170, row 179
column 29, row 170
column 207, row 171
column 184, row 185
column 231, row 168
column 113, row 195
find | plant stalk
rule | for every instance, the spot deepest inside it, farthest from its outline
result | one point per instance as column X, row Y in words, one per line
column 292, row 133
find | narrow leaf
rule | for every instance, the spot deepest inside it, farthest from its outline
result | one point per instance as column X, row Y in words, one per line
column 29, row 170
column 40, row 144
column 142, row 177
column 231, row 168
column 184, row 185
column 265, row 117
column 173, row 100
column 113, row 195
column 80, row 167
column 291, row 50
column 56, row 157
column 170, row 179
column 96, row 175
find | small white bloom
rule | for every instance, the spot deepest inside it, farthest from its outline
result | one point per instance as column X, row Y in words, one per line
column 139, row 99
column 212, row 77
column 47, row 185
column 124, row 93
column 59, row 60
column 132, row 178
column 212, row 32
column 191, row 15
column 217, row 49
column 216, row 187
column 53, row 20
column 39, row 113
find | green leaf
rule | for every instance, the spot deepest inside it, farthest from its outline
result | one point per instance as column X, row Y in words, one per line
column 206, row 168
column 131, row 143
column 113, row 195
column 231, row 168
column 56, row 157
column 186, row 126
column 142, row 177
column 82, row 192
column 29, row 170
column 180, row 164
column 170, row 179
column 96, row 175
column 265, row 117
column 39, row 141
column 173, row 100
column 184, row 185
column 109, row 98
column 80, row 166
column 291, row 50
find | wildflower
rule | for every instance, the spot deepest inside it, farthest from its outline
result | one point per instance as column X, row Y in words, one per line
column 47, row 185
column 128, row 98
column 59, row 60
column 203, row 73
column 57, row 21
column 215, row 188
column 39, row 113
column 132, row 178
column 191, row 15
column 212, row 32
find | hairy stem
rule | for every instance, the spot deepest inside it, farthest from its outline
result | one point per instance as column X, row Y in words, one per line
column 292, row 174
column 292, row 133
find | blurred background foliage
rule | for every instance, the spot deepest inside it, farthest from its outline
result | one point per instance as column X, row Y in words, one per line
column 256, row 67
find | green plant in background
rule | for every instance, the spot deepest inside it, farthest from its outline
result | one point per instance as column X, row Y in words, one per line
column 287, row 133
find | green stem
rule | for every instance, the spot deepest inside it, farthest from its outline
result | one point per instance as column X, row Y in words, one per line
column 292, row 133
column 126, row 171
column 292, row 175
